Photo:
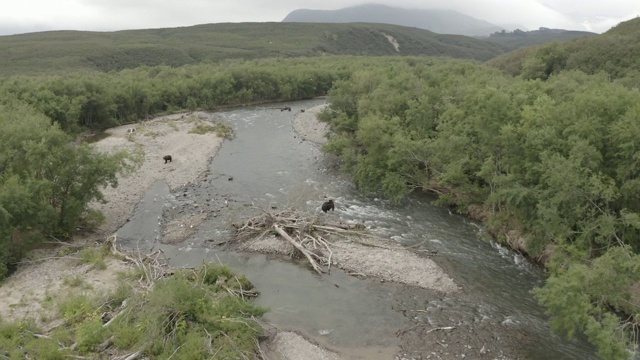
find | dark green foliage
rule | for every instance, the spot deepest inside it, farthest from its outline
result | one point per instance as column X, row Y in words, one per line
column 548, row 59
column 68, row 51
column 555, row 160
column 82, row 101
column 183, row 311
column 616, row 52
column 520, row 39
column 190, row 315
column 578, row 298
column 46, row 180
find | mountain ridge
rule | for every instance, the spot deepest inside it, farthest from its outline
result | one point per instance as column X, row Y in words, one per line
column 436, row 20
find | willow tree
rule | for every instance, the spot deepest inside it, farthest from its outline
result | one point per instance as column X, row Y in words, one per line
column 46, row 179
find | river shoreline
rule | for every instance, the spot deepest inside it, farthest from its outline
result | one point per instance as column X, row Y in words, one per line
column 191, row 154
column 165, row 135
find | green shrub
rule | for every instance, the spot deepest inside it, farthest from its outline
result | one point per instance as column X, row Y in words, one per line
column 120, row 294
column 202, row 129
column 45, row 349
column 221, row 129
column 174, row 319
column 18, row 342
column 73, row 280
column 90, row 334
column 181, row 311
column 77, row 308
column 126, row 336
column 94, row 256
column 224, row 130
column 91, row 220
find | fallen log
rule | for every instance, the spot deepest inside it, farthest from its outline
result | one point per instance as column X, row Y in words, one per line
column 295, row 244
column 306, row 232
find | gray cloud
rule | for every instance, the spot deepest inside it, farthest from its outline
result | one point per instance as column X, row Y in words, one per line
column 21, row 16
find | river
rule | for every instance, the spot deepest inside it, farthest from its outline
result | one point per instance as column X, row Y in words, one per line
column 269, row 165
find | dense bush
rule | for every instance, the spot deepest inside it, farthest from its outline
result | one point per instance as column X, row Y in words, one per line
column 190, row 315
column 82, row 101
column 552, row 162
column 616, row 53
column 46, row 179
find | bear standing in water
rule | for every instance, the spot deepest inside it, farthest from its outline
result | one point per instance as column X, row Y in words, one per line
column 167, row 158
column 328, row 206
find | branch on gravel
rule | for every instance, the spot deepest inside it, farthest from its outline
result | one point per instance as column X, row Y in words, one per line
column 413, row 327
column 300, row 248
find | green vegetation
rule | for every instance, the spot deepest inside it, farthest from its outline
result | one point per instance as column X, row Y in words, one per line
column 46, row 180
column 616, row 52
column 221, row 129
column 544, row 151
column 198, row 313
column 73, row 280
column 83, row 100
column 550, row 166
column 70, row 51
column 202, row 129
column 94, row 256
column 522, row 39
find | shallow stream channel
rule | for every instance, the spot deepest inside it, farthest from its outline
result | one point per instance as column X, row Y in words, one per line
column 269, row 165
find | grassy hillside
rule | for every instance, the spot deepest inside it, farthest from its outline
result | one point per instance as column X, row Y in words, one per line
column 519, row 39
column 616, row 52
column 61, row 51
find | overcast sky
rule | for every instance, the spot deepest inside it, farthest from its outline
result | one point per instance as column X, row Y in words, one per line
column 20, row 16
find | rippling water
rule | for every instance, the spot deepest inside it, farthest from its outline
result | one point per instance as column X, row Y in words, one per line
column 272, row 167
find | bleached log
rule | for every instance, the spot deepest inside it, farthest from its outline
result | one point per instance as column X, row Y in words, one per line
column 304, row 251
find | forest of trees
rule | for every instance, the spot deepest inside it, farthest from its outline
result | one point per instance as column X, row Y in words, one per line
column 548, row 160
column 551, row 167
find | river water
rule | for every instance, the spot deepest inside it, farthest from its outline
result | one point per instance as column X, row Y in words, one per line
column 270, row 166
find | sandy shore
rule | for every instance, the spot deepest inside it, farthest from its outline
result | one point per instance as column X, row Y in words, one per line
column 307, row 125
column 288, row 345
column 167, row 135
column 380, row 259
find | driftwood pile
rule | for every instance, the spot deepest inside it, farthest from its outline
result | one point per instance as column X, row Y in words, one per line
column 308, row 234
column 153, row 267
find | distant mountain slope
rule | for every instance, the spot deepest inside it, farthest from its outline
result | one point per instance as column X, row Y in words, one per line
column 518, row 38
column 616, row 52
column 438, row 21
column 60, row 51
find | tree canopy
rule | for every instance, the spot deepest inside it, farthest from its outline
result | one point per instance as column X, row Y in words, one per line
column 552, row 158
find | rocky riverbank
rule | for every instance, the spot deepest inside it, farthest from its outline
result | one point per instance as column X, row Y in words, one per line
column 191, row 153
